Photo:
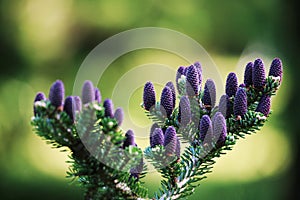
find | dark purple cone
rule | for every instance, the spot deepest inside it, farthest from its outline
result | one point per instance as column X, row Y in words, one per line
column 97, row 95
column 172, row 87
column 180, row 72
column 184, row 113
column 88, row 92
column 57, row 93
column 108, row 108
column 69, row 107
column 177, row 151
column 192, row 81
column 219, row 130
column 240, row 103
column 258, row 74
column 264, row 105
column 248, row 74
column 156, row 137
column 205, row 127
column 78, row 105
column 276, row 68
column 199, row 70
column 129, row 139
column 166, row 102
column 149, row 96
column 224, row 106
column 231, row 84
column 209, row 96
column 119, row 116
column 40, row 96
column 170, row 141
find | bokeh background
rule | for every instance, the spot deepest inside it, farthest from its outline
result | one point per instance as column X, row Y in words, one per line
column 45, row 40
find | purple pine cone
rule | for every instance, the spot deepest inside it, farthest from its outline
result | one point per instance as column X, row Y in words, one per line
column 149, row 96
column 108, row 108
column 264, row 105
column 119, row 116
column 184, row 113
column 57, row 93
column 276, row 68
column 156, row 137
column 129, row 139
column 258, row 74
column 166, row 102
column 88, row 92
column 231, row 84
column 69, row 107
column 219, row 130
column 209, row 96
column 240, row 103
column 177, row 151
column 172, row 87
column 97, row 95
column 78, row 105
column 205, row 127
column 170, row 141
column 40, row 96
column 224, row 106
column 248, row 74
column 180, row 72
column 199, row 70
column 192, row 81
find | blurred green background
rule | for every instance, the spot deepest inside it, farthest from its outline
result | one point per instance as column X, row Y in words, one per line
column 45, row 40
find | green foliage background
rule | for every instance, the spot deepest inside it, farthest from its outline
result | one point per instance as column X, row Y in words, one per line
column 41, row 41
